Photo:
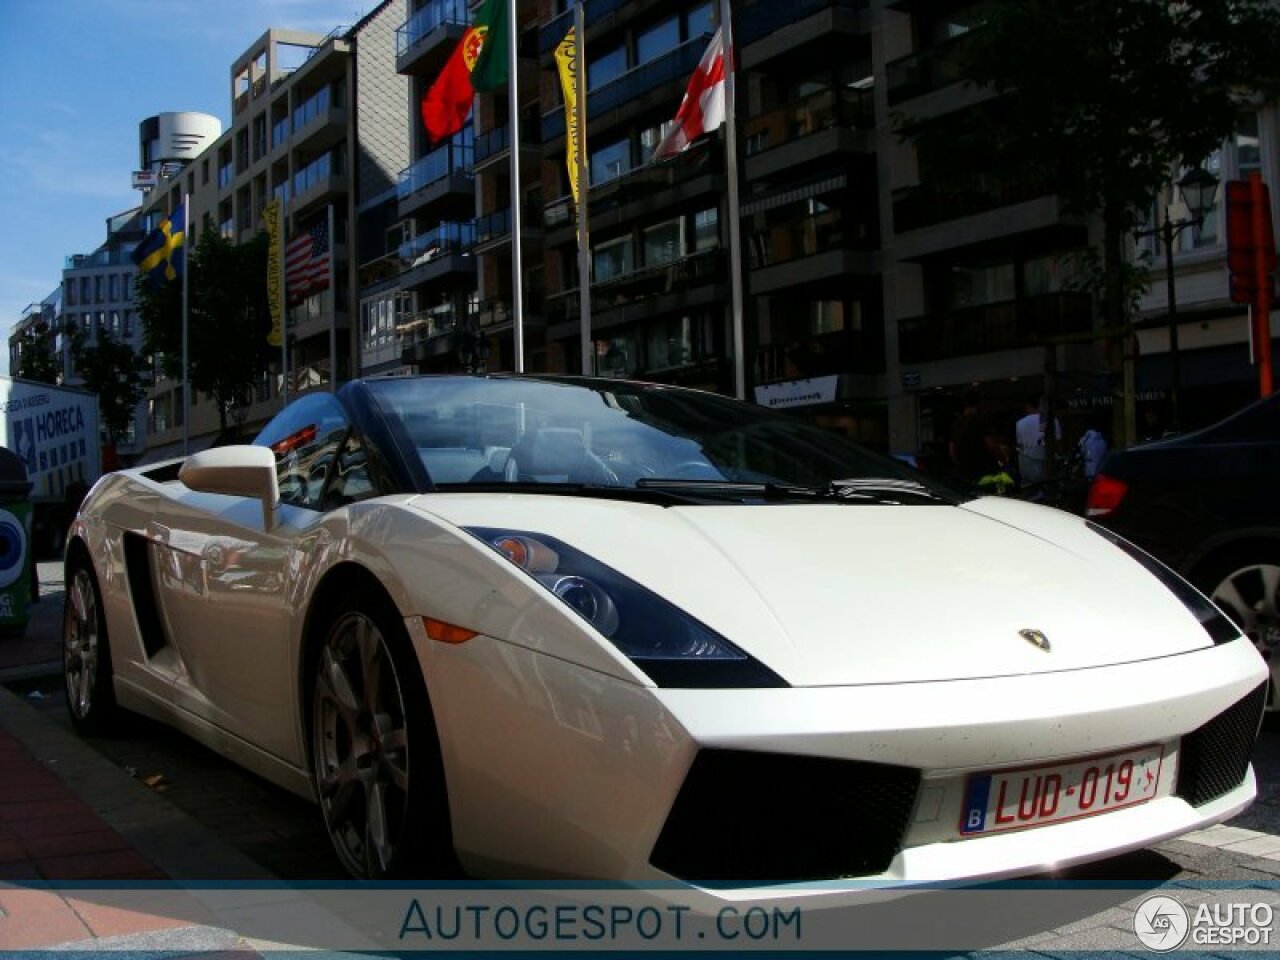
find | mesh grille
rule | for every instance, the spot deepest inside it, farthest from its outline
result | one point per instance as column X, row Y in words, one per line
column 746, row 817
column 1214, row 758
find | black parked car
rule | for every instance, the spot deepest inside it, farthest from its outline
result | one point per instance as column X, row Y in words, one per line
column 1208, row 504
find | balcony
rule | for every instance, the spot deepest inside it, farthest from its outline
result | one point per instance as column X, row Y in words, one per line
column 319, row 123
column 437, row 254
column 927, row 71
column 995, row 215
column 643, row 191
column 427, row 38
column 624, row 96
column 765, row 19
column 494, row 228
column 821, row 355
column 495, row 145
column 998, row 326
column 817, row 126
column 441, row 173
column 646, row 292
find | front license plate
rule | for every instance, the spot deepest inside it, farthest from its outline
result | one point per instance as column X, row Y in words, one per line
column 1015, row 799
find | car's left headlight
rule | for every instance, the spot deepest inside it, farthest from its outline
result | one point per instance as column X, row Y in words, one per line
column 1215, row 623
column 670, row 646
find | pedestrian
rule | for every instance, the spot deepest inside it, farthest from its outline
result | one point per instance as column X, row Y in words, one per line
column 975, row 449
column 1029, row 435
column 1093, row 448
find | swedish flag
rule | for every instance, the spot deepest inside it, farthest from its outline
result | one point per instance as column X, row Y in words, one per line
column 160, row 255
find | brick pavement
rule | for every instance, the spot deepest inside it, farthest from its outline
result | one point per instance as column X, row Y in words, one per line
column 53, row 831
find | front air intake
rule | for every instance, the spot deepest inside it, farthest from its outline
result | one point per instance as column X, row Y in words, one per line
column 756, row 818
column 1214, row 758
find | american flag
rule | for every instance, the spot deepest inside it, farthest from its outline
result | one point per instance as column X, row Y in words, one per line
column 306, row 262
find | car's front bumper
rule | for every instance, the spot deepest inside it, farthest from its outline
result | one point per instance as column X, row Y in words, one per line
column 557, row 771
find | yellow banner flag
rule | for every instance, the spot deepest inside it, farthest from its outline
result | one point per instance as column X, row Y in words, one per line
column 567, row 62
column 275, row 254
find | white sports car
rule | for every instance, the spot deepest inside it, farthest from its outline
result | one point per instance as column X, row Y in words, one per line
column 559, row 627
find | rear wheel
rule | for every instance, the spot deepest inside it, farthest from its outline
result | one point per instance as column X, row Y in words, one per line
column 86, row 654
column 376, row 757
column 1246, row 586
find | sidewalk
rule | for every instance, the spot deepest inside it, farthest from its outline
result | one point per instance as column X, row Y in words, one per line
column 67, row 816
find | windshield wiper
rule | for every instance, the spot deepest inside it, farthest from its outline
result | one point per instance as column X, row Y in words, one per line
column 662, row 498
column 885, row 490
column 738, row 489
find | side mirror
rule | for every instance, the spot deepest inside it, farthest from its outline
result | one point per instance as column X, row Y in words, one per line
column 241, row 471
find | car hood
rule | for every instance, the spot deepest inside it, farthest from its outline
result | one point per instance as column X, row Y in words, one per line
column 833, row 594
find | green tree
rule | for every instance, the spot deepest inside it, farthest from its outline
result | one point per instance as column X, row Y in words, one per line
column 228, row 324
column 1102, row 101
column 35, row 359
column 119, row 376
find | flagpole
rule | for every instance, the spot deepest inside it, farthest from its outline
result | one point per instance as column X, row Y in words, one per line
column 333, row 313
column 584, row 184
column 186, row 359
column 735, row 228
column 284, row 311
column 517, row 293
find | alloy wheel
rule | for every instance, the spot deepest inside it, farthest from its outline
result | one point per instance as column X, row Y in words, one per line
column 80, row 638
column 361, row 747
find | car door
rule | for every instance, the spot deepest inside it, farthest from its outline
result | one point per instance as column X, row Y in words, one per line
column 226, row 586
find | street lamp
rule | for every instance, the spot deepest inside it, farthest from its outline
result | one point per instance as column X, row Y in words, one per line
column 1198, row 188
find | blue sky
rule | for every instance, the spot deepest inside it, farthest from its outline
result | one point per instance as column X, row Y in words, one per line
column 76, row 78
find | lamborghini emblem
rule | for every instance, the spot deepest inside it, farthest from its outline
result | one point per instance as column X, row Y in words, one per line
column 1035, row 638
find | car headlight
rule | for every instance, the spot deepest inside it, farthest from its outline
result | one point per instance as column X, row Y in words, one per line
column 1215, row 622
column 670, row 646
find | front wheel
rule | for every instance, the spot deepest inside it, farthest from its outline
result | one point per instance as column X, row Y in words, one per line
column 1246, row 586
column 376, row 758
column 86, row 655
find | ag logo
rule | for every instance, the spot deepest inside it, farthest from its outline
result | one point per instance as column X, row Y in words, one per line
column 1161, row 923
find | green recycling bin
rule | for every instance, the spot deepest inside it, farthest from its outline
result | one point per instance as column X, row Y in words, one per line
column 15, row 544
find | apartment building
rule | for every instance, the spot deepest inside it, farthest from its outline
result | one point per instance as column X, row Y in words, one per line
column 303, row 132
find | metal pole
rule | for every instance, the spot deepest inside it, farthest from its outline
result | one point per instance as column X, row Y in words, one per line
column 735, row 228
column 517, row 294
column 584, row 187
column 1175, row 377
column 333, row 313
column 284, row 313
column 186, row 312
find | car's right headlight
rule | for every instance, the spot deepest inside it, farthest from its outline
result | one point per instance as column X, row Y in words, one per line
column 673, row 648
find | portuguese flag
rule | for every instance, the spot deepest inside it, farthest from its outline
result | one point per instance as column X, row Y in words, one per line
column 478, row 63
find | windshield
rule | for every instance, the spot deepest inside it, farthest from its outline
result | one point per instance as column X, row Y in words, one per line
column 478, row 431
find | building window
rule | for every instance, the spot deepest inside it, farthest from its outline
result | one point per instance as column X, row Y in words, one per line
column 610, row 260
column 658, row 40
column 113, row 294
column 609, row 163
column 663, row 243
column 607, row 68
column 706, row 229
column 699, row 22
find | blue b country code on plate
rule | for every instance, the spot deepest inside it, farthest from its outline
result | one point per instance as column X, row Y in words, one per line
column 1031, row 796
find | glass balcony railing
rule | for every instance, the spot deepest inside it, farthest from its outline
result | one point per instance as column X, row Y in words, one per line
column 427, row 20
column 923, row 206
column 762, row 19
column 425, row 325
column 675, row 66
column 315, row 106
column 854, row 109
column 444, row 239
column 786, row 241
column 928, row 70
column 996, row 326
column 452, row 158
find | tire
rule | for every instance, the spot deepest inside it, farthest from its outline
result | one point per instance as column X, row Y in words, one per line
column 86, row 652
column 1245, row 584
column 375, row 753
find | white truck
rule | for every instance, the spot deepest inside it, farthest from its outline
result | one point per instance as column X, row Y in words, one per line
column 55, row 432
